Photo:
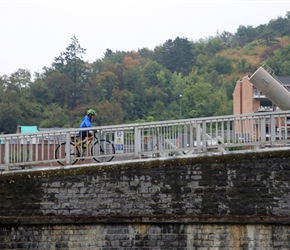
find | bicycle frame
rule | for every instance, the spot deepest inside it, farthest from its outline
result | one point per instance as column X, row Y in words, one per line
column 101, row 150
column 78, row 143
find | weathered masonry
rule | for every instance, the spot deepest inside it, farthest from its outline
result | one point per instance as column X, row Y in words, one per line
column 231, row 201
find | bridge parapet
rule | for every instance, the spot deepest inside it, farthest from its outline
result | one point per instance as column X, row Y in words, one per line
column 155, row 139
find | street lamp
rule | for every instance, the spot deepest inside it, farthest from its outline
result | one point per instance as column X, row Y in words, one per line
column 180, row 107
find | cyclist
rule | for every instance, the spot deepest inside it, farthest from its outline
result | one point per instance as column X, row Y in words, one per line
column 87, row 123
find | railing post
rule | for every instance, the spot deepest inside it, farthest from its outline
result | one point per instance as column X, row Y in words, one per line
column 67, row 148
column 228, row 133
column 263, row 132
column 30, row 158
column 137, row 142
column 157, row 142
column 6, row 155
column 191, row 140
column 273, row 130
column 198, row 137
column 101, row 134
column 204, row 136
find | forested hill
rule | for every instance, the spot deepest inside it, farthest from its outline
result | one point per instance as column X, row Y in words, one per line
column 144, row 85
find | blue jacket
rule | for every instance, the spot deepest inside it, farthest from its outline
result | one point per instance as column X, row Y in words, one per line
column 86, row 123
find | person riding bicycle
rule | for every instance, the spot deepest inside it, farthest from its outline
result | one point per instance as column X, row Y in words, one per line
column 87, row 123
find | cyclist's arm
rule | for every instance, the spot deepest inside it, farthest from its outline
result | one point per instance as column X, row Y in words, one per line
column 86, row 123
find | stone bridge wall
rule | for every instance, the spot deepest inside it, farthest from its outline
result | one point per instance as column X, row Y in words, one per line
column 232, row 201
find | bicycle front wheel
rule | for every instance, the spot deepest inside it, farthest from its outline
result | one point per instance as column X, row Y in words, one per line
column 61, row 155
column 103, row 151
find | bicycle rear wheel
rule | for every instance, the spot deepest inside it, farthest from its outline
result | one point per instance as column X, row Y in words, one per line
column 103, row 151
column 61, row 155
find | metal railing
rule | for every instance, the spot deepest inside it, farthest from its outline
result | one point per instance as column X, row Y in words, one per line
column 153, row 139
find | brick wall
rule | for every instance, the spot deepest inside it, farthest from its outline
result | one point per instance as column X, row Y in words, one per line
column 234, row 201
column 145, row 236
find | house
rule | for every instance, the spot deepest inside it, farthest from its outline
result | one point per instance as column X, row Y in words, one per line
column 25, row 130
column 248, row 99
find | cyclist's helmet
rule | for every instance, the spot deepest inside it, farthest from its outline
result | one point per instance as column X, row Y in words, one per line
column 91, row 112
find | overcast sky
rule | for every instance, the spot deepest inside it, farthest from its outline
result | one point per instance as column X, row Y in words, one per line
column 34, row 32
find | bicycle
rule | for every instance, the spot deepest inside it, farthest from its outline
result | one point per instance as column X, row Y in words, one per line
column 102, row 150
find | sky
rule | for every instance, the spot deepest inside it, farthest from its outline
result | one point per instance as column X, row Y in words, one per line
column 33, row 33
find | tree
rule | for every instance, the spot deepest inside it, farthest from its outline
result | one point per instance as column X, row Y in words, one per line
column 214, row 45
column 55, row 116
column 280, row 62
column 41, row 93
column 60, row 87
column 8, row 119
column 279, row 26
column 150, row 71
column 177, row 55
column 16, row 106
column 269, row 37
column 70, row 63
column 109, row 113
column 106, row 83
column 245, row 34
column 21, row 78
column 198, row 100
column 227, row 39
column 221, row 64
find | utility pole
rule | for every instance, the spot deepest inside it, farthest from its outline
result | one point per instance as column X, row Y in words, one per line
column 180, row 114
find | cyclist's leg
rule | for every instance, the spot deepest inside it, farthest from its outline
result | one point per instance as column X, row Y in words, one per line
column 90, row 136
column 83, row 136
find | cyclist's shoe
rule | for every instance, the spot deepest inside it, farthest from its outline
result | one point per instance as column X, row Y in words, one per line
column 83, row 153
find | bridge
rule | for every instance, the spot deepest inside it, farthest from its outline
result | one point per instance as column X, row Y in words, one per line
column 197, row 136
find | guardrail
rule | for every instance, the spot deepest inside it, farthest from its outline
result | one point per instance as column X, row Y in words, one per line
column 154, row 139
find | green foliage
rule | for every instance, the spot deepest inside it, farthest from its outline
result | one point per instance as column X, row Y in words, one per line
column 70, row 65
column 176, row 55
column 150, row 71
column 221, row 64
column 198, row 99
column 55, row 117
column 243, row 66
column 280, row 26
column 107, row 82
column 280, row 62
column 41, row 92
column 213, row 45
column 245, row 35
column 9, row 117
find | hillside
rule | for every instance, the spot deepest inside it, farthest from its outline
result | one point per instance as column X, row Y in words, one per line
column 254, row 54
column 178, row 79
